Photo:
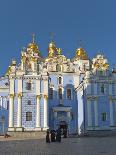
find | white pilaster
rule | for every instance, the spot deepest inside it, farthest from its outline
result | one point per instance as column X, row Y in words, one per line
column 111, row 113
column 96, row 112
column 19, row 113
column 89, row 113
column 38, row 128
column 38, row 87
column 12, row 86
column 45, row 112
column 11, row 113
column 1, row 102
column 45, row 102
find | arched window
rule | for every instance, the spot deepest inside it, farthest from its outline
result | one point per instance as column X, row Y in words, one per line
column 28, row 86
column 102, row 88
column 29, row 102
column 59, row 80
column 51, row 93
column 28, row 116
column 69, row 93
column 58, row 68
column 60, row 93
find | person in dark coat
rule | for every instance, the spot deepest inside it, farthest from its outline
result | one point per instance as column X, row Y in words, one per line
column 65, row 133
column 53, row 136
column 58, row 135
column 47, row 136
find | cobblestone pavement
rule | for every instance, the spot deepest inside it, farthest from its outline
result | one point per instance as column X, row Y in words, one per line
column 68, row 146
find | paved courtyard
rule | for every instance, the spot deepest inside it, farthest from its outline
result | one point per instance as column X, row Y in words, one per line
column 69, row 146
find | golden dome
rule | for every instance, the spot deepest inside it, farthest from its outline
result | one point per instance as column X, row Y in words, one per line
column 81, row 54
column 52, row 50
column 33, row 47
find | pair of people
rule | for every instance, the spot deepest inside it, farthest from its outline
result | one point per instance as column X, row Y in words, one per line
column 55, row 136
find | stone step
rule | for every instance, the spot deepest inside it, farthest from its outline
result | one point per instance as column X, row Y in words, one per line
column 28, row 134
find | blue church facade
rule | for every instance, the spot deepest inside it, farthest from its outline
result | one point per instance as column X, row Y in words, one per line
column 47, row 93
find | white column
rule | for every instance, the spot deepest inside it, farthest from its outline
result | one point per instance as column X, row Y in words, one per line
column 45, row 103
column 89, row 114
column 1, row 102
column 45, row 112
column 111, row 113
column 38, row 128
column 38, row 87
column 96, row 112
column 11, row 113
column 19, row 113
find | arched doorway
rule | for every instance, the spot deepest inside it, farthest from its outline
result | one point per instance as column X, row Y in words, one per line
column 63, row 126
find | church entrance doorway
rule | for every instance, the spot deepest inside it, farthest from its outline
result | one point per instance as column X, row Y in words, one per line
column 63, row 126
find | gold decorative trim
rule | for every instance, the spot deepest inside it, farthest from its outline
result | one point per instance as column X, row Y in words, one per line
column 38, row 96
column 46, row 97
column 19, row 95
column 12, row 95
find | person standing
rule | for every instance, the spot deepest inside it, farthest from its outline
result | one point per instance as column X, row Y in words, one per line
column 47, row 136
column 58, row 135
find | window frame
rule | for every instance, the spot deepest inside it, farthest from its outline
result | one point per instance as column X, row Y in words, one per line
column 69, row 98
column 28, row 88
column 104, row 116
column 60, row 94
column 28, row 116
column 50, row 93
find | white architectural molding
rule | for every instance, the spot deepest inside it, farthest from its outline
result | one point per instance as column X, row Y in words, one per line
column 11, row 113
column 45, row 112
column 38, row 87
column 38, row 97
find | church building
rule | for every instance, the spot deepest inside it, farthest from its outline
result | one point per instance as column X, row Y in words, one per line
column 47, row 93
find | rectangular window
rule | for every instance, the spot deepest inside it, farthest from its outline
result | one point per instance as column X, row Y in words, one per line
column 69, row 94
column 60, row 93
column 51, row 93
column 28, row 116
column 104, row 116
column 29, row 102
column 28, row 86
column 60, row 80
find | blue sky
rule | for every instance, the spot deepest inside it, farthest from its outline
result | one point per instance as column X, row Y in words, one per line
column 92, row 21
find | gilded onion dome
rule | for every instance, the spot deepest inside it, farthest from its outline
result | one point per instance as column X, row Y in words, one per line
column 52, row 50
column 33, row 48
column 81, row 54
